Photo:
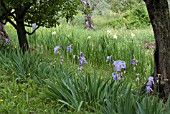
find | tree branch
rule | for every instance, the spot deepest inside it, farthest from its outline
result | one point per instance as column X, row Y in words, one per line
column 8, row 12
column 33, row 30
column 12, row 23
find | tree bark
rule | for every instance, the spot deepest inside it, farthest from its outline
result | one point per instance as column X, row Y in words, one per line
column 3, row 33
column 160, row 19
column 88, row 15
column 2, row 29
column 22, row 38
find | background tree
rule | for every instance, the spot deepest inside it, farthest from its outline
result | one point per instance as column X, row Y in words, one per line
column 22, row 13
column 160, row 19
column 88, row 23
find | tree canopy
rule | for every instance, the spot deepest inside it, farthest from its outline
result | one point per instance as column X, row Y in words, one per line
column 21, row 13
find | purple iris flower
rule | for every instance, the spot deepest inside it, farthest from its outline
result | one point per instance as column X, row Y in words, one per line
column 6, row 40
column 132, row 62
column 119, row 64
column 61, row 60
column 114, row 75
column 108, row 58
column 82, row 60
column 79, row 67
column 150, row 79
column 69, row 48
column 56, row 49
column 149, row 84
column 81, row 53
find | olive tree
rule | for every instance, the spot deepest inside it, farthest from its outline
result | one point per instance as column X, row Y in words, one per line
column 23, row 13
column 160, row 19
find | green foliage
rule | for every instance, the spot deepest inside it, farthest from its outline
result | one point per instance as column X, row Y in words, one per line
column 92, row 93
column 123, row 5
column 19, row 64
column 78, row 91
column 42, row 12
column 47, row 86
column 133, row 14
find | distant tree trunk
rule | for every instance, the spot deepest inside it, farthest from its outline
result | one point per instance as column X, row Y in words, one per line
column 160, row 19
column 88, row 14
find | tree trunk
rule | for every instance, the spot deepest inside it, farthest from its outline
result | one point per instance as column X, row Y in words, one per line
column 3, row 35
column 88, row 14
column 21, row 32
column 160, row 19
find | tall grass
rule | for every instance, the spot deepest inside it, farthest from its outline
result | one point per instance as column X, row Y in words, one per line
column 61, row 87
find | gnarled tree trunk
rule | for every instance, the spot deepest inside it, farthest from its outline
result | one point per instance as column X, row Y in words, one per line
column 88, row 14
column 160, row 19
column 3, row 33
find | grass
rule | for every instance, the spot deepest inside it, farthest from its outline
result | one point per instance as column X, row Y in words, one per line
column 35, row 83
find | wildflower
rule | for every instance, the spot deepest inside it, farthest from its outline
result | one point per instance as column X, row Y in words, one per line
column 121, row 76
column 69, row 48
column 54, row 32
column 1, row 100
column 56, row 49
column 108, row 58
column 6, row 40
column 115, row 36
column 132, row 62
column 34, row 26
column 81, row 53
column 114, row 75
column 149, row 85
column 61, row 60
column 82, row 60
column 89, row 37
column 119, row 64
column 80, row 67
column 109, row 31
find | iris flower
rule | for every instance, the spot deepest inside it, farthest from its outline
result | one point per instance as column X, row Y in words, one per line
column 6, row 40
column 34, row 26
column 69, row 48
column 82, row 60
column 108, row 58
column 132, row 62
column 149, row 84
column 114, row 75
column 119, row 64
column 56, row 49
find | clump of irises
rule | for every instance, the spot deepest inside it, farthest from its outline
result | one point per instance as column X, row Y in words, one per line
column 57, row 51
column 149, row 85
column 118, row 66
column 82, row 60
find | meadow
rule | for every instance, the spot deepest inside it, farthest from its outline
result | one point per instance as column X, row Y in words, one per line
column 41, row 82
